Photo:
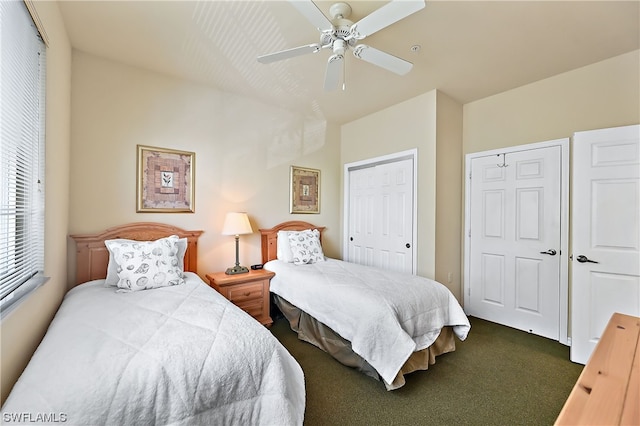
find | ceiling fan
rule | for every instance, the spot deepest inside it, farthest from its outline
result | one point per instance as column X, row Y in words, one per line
column 340, row 34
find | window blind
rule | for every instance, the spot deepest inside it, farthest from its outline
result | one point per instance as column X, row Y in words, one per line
column 22, row 95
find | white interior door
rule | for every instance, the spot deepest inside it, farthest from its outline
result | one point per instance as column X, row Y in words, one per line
column 380, row 229
column 606, row 230
column 514, row 240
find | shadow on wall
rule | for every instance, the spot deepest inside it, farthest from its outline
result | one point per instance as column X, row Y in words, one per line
column 270, row 137
column 287, row 131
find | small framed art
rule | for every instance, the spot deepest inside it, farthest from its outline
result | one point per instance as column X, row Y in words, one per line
column 165, row 180
column 305, row 190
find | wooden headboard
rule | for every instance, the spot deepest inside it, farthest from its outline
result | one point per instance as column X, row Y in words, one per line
column 92, row 255
column 270, row 237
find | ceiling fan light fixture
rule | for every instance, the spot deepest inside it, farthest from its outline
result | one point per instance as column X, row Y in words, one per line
column 339, row 47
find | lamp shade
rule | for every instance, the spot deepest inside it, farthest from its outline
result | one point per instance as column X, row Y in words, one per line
column 236, row 223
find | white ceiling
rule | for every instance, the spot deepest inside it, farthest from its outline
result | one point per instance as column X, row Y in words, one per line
column 469, row 49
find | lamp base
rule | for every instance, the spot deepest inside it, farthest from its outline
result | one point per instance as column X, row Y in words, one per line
column 237, row 270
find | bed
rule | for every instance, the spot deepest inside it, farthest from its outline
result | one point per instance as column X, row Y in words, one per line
column 174, row 354
column 385, row 324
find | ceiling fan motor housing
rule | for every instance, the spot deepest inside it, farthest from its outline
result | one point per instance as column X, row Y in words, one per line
column 341, row 25
column 343, row 30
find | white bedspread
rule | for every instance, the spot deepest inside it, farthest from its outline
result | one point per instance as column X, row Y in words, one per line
column 179, row 355
column 385, row 315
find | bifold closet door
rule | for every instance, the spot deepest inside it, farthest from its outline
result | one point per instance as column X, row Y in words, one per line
column 380, row 229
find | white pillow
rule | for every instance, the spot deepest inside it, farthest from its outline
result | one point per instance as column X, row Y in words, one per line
column 283, row 249
column 306, row 247
column 144, row 265
column 112, row 267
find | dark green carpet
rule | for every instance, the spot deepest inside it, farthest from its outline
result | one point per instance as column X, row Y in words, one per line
column 498, row 376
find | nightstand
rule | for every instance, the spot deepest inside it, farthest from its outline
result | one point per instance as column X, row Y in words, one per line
column 248, row 291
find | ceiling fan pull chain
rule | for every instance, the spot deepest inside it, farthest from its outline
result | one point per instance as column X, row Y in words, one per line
column 344, row 75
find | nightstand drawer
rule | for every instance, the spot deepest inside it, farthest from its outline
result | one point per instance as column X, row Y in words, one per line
column 248, row 291
column 243, row 294
column 254, row 307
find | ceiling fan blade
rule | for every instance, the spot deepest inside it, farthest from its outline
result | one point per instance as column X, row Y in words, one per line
column 388, row 14
column 382, row 59
column 334, row 74
column 289, row 53
column 309, row 10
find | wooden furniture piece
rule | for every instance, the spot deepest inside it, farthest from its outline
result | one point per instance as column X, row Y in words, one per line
column 608, row 389
column 269, row 237
column 92, row 255
column 250, row 291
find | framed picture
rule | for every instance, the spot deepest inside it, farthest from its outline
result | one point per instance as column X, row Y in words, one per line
column 165, row 180
column 305, row 190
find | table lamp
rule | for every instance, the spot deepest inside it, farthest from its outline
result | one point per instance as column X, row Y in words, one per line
column 236, row 223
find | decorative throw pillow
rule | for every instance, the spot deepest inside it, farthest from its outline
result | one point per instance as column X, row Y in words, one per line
column 306, row 247
column 144, row 265
column 112, row 267
column 283, row 249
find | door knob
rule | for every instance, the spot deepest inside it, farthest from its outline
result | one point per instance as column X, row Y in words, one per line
column 351, row 239
column 550, row 252
column 408, row 245
column 584, row 259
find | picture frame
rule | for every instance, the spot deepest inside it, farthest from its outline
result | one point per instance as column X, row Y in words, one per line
column 166, row 179
column 305, row 190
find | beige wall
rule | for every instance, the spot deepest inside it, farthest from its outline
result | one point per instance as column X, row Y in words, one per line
column 601, row 95
column 448, row 203
column 431, row 123
column 22, row 330
column 244, row 150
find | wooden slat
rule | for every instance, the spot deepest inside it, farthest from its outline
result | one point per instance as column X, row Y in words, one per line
column 606, row 391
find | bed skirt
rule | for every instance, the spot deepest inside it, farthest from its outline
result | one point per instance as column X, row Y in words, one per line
column 313, row 331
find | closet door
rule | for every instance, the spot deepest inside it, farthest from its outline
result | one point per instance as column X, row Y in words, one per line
column 380, row 229
column 514, row 240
